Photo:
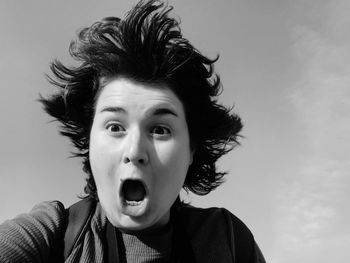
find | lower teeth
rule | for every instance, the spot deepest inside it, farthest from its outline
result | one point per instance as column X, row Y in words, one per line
column 132, row 203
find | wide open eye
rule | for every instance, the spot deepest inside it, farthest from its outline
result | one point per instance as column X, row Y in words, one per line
column 160, row 131
column 115, row 128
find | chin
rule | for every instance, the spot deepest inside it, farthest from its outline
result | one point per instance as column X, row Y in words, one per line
column 130, row 226
column 127, row 224
column 143, row 224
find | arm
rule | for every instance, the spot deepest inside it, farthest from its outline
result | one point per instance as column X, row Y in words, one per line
column 30, row 237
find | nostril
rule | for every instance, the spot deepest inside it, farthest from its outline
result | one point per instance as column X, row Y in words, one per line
column 137, row 160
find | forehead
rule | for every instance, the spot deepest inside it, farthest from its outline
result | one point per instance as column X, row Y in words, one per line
column 127, row 93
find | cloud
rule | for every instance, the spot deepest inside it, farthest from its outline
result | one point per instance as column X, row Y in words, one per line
column 313, row 208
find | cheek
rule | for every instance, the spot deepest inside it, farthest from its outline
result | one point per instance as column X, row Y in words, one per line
column 104, row 169
column 103, row 160
column 174, row 160
column 96, row 154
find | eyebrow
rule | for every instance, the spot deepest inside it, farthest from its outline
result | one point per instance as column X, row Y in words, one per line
column 164, row 111
column 156, row 112
column 113, row 109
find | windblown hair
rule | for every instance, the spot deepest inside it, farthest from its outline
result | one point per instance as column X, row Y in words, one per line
column 147, row 46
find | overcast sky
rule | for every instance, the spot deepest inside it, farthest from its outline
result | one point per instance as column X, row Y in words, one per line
column 285, row 65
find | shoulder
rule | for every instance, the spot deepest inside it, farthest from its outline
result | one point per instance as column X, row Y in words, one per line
column 52, row 212
column 45, row 216
column 30, row 236
column 205, row 212
column 220, row 231
column 213, row 216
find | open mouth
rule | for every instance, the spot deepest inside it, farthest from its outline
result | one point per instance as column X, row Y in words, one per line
column 133, row 191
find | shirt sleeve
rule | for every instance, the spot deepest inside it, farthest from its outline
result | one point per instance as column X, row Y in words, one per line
column 30, row 237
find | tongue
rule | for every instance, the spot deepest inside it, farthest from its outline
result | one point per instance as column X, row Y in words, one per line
column 133, row 190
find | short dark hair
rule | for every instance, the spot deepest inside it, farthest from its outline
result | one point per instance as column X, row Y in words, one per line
column 147, row 46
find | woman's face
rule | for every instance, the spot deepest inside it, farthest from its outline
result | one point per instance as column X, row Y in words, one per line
column 139, row 153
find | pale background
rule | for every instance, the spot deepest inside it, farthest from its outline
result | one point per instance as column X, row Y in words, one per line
column 284, row 64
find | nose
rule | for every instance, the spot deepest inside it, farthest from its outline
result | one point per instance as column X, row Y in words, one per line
column 135, row 148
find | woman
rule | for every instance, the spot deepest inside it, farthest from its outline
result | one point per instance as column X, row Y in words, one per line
column 140, row 109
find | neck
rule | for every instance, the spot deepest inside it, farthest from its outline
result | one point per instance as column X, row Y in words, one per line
column 148, row 246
